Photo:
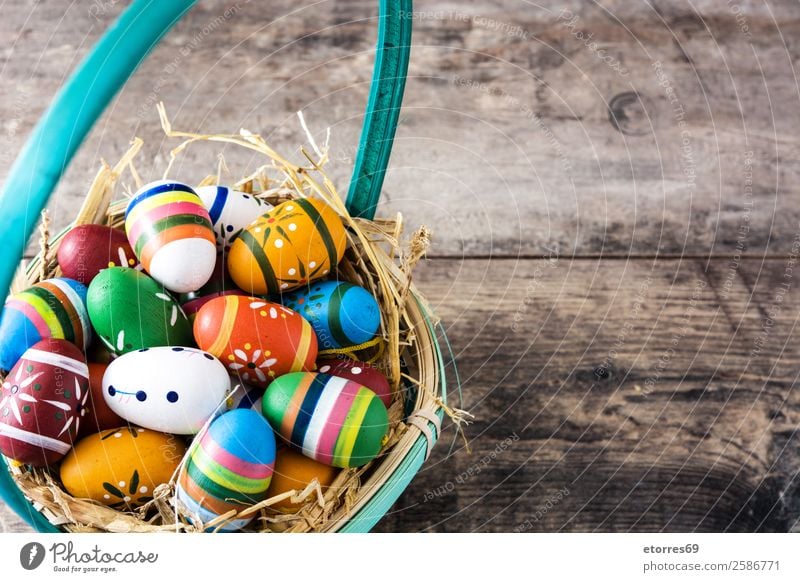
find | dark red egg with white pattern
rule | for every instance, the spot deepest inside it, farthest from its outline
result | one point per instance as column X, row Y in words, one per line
column 42, row 401
column 361, row 373
column 89, row 248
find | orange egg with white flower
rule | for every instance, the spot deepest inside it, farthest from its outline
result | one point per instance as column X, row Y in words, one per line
column 256, row 340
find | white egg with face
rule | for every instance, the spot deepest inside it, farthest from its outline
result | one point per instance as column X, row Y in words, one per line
column 167, row 389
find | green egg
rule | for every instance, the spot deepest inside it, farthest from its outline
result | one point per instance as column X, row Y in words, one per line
column 130, row 311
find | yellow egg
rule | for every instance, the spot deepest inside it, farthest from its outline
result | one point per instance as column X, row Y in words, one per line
column 294, row 243
column 121, row 467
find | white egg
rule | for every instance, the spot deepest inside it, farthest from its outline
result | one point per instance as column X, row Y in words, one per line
column 183, row 265
column 230, row 211
column 168, row 389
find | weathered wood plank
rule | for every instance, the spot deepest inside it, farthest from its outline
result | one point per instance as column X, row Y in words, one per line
column 649, row 399
column 10, row 522
column 518, row 133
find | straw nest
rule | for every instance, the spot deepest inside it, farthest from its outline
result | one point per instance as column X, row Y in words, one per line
column 405, row 351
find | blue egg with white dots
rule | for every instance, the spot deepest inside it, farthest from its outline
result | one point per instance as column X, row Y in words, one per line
column 167, row 389
column 342, row 314
column 230, row 211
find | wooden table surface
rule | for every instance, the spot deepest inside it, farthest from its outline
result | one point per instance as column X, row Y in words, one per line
column 613, row 190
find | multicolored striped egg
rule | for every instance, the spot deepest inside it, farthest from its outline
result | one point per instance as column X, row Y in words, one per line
column 219, row 285
column 130, row 311
column 230, row 211
column 42, row 402
column 294, row 243
column 89, row 248
column 342, row 314
column 362, row 373
column 53, row 308
column 171, row 233
column 332, row 420
column 229, row 467
column 255, row 339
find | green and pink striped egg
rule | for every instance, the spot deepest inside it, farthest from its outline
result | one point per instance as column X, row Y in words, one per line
column 332, row 420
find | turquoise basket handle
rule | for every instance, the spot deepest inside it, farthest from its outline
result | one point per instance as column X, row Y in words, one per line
column 383, row 108
column 84, row 97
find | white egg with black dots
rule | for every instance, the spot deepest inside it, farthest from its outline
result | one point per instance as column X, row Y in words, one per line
column 168, row 389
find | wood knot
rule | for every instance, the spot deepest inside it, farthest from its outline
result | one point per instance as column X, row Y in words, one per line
column 628, row 113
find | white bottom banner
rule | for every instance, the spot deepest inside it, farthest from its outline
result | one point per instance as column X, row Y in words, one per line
column 380, row 557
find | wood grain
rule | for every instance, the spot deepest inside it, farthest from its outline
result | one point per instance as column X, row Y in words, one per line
column 655, row 403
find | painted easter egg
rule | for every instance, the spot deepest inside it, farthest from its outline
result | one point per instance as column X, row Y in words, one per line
column 361, row 373
column 228, row 467
column 230, row 211
column 174, row 390
column 98, row 351
column 246, row 397
column 255, row 339
column 342, row 314
column 120, row 467
column 219, row 285
column 171, row 233
column 294, row 471
column 296, row 242
column 53, row 308
column 89, row 248
column 99, row 416
column 42, row 402
column 131, row 311
column 333, row 420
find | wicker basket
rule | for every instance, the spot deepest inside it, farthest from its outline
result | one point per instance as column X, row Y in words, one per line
column 413, row 357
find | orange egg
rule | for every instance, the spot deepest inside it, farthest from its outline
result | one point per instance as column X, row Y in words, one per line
column 99, row 416
column 295, row 471
column 121, row 467
column 294, row 243
column 256, row 340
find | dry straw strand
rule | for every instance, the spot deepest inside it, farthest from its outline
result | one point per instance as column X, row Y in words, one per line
column 44, row 245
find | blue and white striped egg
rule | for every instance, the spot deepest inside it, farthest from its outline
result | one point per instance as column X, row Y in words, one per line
column 230, row 211
column 342, row 314
column 244, row 397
